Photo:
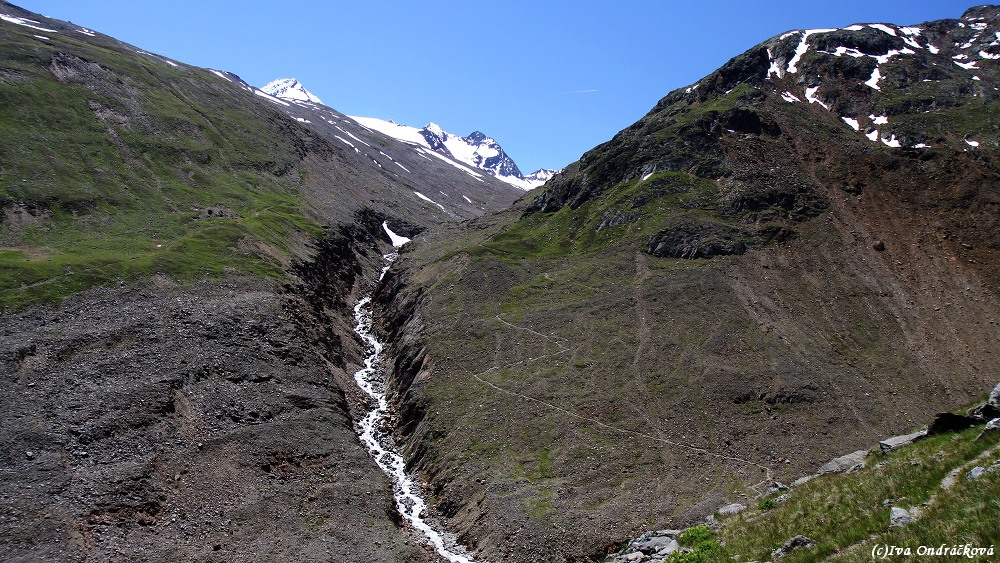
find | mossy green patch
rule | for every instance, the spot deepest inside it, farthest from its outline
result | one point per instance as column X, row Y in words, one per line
column 107, row 158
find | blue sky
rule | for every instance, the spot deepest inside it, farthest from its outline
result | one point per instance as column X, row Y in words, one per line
column 547, row 79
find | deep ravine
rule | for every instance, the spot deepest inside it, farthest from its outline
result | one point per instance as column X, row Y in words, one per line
column 372, row 428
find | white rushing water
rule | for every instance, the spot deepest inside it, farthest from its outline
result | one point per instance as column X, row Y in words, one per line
column 371, row 428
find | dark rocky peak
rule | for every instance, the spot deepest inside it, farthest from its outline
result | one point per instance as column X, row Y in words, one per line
column 478, row 137
column 985, row 12
column 913, row 92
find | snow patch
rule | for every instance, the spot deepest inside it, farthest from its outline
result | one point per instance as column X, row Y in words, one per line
column 774, row 69
column 934, row 50
column 990, row 56
column 302, row 120
column 811, row 96
column 171, row 63
column 921, row 146
column 891, row 141
column 397, row 240
column 219, row 74
column 803, row 47
column 873, row 81
column 854, row 27
column 444, row 158
column 466, row 199
column 348, row 133
column 882, row 27
column 882, row 59
column 348, row 143
column 872, row 136
column 914, row 31
column 852, row 122
column 396, row 131
column 425, row 198
column 271, row 98
column 967, row 66
column 86, row 32
column 25, row 22
column 972, row 143
column 879, row 119
column 849, row 51
column 789, row 97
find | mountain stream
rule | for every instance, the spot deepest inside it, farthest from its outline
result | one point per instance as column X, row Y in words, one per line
column 375, row 428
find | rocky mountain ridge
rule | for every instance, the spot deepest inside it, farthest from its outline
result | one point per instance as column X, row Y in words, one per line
column 733, row 290
column 736, row 288
column 476, row 150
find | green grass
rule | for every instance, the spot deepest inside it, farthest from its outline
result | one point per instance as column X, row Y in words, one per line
column 839, row 511
column 115, row 198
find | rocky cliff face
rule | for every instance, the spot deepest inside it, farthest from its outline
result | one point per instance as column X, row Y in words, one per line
column 777, row 265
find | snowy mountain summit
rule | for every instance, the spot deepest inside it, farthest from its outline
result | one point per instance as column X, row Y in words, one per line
column 290, row 89
column 475, row 150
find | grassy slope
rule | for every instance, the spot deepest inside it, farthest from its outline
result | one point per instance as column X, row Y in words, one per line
column 572, row 371
column 108, row 171
column 847, row 516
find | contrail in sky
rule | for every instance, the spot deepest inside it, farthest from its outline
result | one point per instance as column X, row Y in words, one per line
column 578, row 91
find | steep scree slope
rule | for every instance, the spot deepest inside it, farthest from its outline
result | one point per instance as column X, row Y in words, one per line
column 779, row 264
column 178, row 257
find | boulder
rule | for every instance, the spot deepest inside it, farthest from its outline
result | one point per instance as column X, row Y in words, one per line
column 994, row 399
column 894, row 443
column 654, row 544
column 900, row 517
column 844, row 462
column 777, row 487
column 992, row 428
column 793, row 543
column 949, row 422
column 671, row 547
column 975, row 473
column 730, row 509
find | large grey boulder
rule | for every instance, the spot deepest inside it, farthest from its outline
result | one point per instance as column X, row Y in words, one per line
column 900, row 517
column 844, row 462
column 896, row 442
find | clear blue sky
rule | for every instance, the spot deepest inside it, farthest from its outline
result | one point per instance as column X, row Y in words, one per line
column 547, row 79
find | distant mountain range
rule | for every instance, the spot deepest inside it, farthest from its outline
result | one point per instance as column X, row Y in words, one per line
column 476, row 149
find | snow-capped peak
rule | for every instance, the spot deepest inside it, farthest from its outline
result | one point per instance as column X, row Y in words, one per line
column 477, row 150
column 290, row 89
column 434, row 129
column 539, row 177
